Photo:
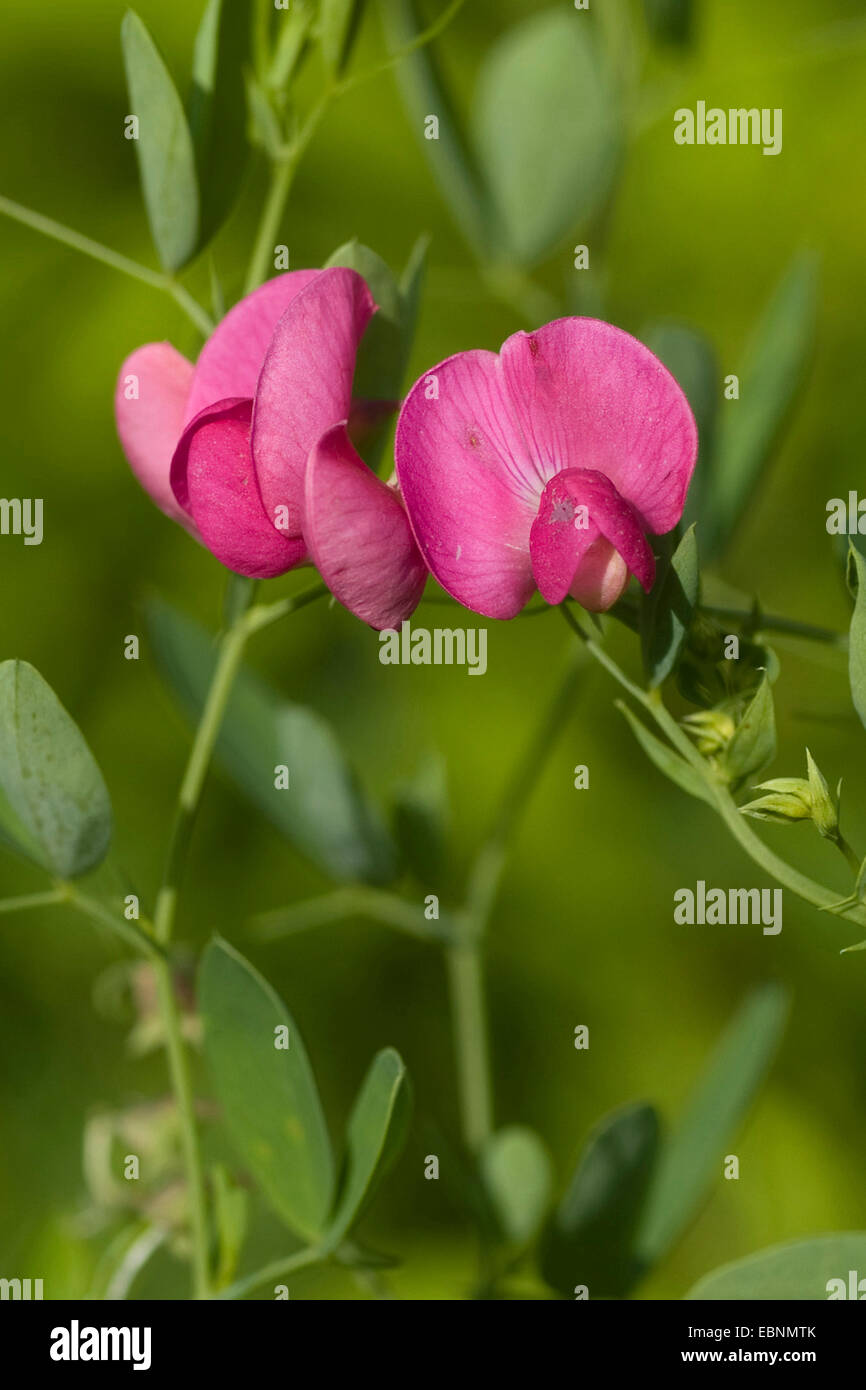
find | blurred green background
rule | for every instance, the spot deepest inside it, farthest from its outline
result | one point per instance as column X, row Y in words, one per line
column 584, row 929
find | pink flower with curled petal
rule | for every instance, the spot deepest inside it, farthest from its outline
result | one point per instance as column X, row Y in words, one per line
column 224, row 447
column 545, row 466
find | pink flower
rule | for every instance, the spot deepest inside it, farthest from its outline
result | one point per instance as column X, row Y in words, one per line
column 545, row 466
column 250, row 448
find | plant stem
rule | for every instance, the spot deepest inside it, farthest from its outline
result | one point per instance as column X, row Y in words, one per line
column 181, row 1084
column 245, row 620
column 770, row 622
column 282, row 174
column 761, row 854
column 230, row 655
column 277, row 1270
column 27, row 900
column 469, row 1022
column 87, row 247
column 464, row 957
column 355, row 900
column 133, row 933
column 228, row 660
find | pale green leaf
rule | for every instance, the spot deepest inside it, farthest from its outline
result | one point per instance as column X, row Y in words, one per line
column 518, row 1177
column 375, row 1136
column 692, row 1158
column 166, row 156
column 809, row 1270
column 54, row 806
column 589, row 1239
column 266, row 1090
column 546, row 123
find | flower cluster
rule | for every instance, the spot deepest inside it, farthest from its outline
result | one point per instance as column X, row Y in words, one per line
column 546, row 466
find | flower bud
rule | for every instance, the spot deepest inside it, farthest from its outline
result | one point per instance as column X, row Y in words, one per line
column 825, row 810
column 712, row 729
column 791, row 799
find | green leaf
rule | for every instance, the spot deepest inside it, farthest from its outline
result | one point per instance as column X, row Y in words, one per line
column 769, row 383
column 381, row 356
column 218, row 109
column 54, row 806
column 670, row 21
column 857, row 637
column 546, row 124
column 411, row 285
column 421, row 822
column 692, row 1157
column 375, row 1135
column 753, row 745
column 166, row 158
column 666, row 759
column 691, row 359
column 291, row 44
column 267, row 1092
column 669, row 609
column 517, row 1174
column 589, row 1239
column 799, row 1269
column 324, row 812
column 452, row 162
column 338, row 26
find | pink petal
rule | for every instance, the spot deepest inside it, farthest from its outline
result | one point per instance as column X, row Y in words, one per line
column 212, row 473
column 359, row 535
column 581, row 521
column 588, row 395
column 231, row 359
column 470, row 487
column 305, row 385
column 150, row 423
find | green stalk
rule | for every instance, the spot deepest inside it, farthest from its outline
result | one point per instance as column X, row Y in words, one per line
column 97, row 252
column 181, row 1084
column 245, row 621
column 282, row 175
column 737, row 824
column 28, row 900
column 230, row 655
column 464, row 956
column 469, row 1023
column 277, row 1270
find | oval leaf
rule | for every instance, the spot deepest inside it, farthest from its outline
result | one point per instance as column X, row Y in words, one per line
column 691, row 359
column 383, row 352
column 324, row 811
column 218, row 109
column 54, row 806
column 516, row 1170
column 691, row 1159
column 547, row 129
column 166, row 158
column 291, row 45
column 421, row 822
column 753, row 745
column 338, row 25
column 589, row 1239
column 452, row 163
column 267, row 1091
column 811, row 1270
column 375, row 1135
